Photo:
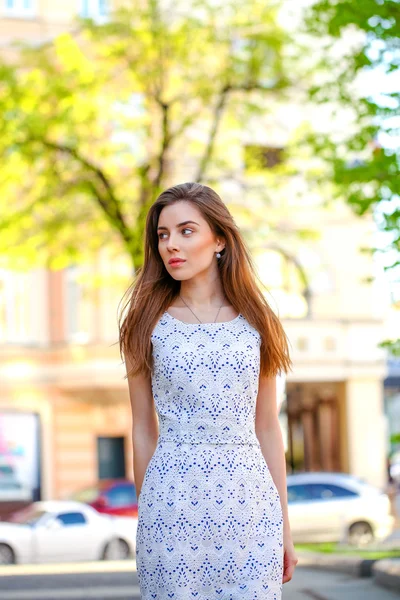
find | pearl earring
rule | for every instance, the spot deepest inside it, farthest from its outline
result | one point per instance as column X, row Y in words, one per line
column 218, row 255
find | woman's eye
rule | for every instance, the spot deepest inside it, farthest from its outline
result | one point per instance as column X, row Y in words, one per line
column 160, row 235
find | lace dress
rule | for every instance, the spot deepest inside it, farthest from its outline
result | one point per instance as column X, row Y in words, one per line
column 210, row 519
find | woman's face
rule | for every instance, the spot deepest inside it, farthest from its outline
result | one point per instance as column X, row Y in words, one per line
column 184, row 234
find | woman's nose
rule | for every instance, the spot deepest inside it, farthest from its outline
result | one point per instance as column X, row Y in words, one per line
column 172, row 244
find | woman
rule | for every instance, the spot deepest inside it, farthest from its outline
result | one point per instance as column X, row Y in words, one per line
column 202, row 350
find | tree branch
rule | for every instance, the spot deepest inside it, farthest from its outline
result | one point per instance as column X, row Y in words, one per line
column 95, row 170
column 109, row 204
column 108, row 201
column 218, row 110
column 166, row 140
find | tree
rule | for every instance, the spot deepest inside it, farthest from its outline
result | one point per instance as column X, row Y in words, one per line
column 358, row 64
column 96, row 122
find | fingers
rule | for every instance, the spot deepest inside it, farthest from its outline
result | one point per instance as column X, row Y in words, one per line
column 289, row 564
column 288, row 573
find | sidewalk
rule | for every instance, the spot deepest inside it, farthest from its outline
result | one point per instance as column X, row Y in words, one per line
column 308, row 584
column 393, row 541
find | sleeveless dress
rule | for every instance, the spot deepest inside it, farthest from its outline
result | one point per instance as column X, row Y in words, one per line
column 209, row 517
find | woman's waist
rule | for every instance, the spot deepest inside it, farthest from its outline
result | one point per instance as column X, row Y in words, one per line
column 220, row 431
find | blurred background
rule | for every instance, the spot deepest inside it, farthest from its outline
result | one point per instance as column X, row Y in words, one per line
column 290, row 110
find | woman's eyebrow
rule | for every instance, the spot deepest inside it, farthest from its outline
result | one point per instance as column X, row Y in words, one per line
column 180, row 224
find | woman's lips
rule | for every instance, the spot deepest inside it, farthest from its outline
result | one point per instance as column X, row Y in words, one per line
column 176, row 263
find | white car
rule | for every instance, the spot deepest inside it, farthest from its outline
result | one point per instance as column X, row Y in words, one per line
column 58, row 531
column 336, row 507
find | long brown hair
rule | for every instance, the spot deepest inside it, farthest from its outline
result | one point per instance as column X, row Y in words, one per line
column 153, row 289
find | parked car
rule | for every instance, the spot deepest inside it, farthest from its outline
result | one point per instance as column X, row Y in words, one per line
column 110, row 496
column 61, row 531
column 335, row 507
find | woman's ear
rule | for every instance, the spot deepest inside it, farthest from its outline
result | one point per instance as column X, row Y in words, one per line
column 221, row 245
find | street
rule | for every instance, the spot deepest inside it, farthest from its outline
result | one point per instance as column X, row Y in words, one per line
column 100, row 581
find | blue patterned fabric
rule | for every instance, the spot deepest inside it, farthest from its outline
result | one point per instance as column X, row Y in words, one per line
column 210, row 519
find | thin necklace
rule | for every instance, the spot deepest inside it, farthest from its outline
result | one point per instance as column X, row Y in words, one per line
column 196, row 315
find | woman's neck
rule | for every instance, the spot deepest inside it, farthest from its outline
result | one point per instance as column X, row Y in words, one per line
column 202, row 298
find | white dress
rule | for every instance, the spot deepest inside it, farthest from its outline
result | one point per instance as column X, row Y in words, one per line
column 210, row 520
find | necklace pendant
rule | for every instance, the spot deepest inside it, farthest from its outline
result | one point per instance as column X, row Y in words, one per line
column 215, row 320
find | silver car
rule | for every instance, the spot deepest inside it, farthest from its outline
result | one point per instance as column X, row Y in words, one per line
column 336, row 507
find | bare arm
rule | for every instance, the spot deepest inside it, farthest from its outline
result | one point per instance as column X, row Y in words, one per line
column 269, row 435
column 144, row 424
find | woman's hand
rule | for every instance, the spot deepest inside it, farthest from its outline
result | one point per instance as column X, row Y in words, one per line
column 290, row 560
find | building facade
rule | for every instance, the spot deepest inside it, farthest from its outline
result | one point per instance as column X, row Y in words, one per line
column 64, row 406
column 63, row 396
column 334, row 404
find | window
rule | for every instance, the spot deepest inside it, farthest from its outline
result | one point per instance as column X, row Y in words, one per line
column 299, row 493
column 111, row 457
column 284, row 280
column 92, row 292
column 302, row 344
column 15, row 307
column 121, row 496
column 20, row 8
column 103, row 8
column 72, row 518
column 94, row 9
column 258, row 158
column 79, row 305
column 322, row 491
column 330, row 344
